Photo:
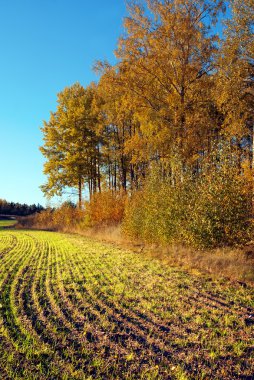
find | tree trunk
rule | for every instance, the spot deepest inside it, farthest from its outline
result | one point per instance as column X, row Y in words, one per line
column 98, row 171
column 80, row 193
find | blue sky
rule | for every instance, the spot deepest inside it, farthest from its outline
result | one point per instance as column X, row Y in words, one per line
column 45, row 46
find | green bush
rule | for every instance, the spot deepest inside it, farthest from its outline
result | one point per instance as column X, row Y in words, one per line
column 221, row 214
column 154, row 213
column 207, row 211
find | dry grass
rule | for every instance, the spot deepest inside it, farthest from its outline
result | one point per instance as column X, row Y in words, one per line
column 111, row 234
column 221, row 262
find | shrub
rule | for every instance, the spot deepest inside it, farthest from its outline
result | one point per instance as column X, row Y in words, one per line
column 66, row 217
column 105, row 208
column 207, row 211
column 221, row 214
column 154, row 213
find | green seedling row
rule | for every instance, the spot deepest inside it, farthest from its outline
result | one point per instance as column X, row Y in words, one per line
column 74, row 308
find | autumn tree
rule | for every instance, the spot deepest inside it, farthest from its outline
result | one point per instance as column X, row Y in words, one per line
column 117, row 125
column 234, row 91
column 71, row 146
column 167, row 57
column 171, row 124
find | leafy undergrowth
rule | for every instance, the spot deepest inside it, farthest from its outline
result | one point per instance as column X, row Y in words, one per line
column 74, row 308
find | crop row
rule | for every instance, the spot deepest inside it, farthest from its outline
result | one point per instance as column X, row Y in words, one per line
column 73, row 308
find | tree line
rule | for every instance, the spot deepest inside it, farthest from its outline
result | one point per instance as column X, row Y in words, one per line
column 18, row 209
column 179, row 101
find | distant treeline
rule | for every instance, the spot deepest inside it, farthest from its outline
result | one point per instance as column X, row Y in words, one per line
column 11, row 208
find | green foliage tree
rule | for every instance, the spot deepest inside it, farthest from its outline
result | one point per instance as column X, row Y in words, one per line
column 18, row 209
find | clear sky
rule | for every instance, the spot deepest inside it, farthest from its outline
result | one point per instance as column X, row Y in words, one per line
column 45, row 45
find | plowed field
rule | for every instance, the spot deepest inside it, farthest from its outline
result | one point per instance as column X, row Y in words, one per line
column 73, row 308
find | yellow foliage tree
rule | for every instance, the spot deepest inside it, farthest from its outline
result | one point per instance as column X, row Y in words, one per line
column 70, row 143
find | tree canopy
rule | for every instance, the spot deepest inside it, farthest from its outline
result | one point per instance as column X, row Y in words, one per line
column 178, row 93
